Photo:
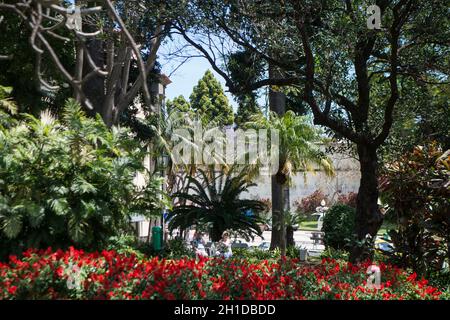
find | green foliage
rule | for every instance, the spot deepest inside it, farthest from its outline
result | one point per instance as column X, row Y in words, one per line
column 338, row 226
column 246, row 110
column 213, row 201
column 425, row 114
column 209, row 100
column 69, row 181
column 335, row 254
column 441, row 280
column 6, row 103
column 416, row 188
column 126, row 245
column 179, row 104
column 256, row 254
column 245, row 68
column 176, row 249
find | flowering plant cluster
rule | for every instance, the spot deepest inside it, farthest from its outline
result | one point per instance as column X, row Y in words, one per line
column 74, row 274
column 308, row 204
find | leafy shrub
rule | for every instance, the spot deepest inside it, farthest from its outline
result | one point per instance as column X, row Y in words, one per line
column 126, row 245
column 441, row 280
column 417, row 190
column 338, row 226
column 109, row 275
column 256, row 254
column 69, row 182
column 337, row 254
column 177, row 248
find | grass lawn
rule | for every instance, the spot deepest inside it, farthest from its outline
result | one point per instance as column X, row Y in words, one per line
column 308, row 225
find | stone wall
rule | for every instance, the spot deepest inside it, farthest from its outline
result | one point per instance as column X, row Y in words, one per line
column 346, row 180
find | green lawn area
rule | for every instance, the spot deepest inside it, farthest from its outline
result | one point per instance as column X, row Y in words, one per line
column 308, row 225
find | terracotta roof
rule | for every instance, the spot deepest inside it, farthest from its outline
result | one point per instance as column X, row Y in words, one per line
column 165, row 79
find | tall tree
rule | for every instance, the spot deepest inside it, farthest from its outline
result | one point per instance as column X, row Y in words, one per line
column 109, row 39
column 179, row 104
column 299, row 151
column 352, row 77
column 210, row 101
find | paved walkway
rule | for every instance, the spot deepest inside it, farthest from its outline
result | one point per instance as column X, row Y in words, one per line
column 302, row 239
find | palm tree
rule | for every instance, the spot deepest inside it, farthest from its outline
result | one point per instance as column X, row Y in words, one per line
column 298, row 152
column 213, row 201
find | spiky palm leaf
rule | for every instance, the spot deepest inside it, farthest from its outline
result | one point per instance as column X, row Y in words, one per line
column 213, row 200
column 298, row 148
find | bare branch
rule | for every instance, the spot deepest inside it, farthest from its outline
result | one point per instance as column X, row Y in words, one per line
column 135, row 49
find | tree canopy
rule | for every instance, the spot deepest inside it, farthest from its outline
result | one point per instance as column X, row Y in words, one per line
column 210, row 101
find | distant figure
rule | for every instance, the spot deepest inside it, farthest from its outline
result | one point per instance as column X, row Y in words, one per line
column 224, row 246
column 199, row 244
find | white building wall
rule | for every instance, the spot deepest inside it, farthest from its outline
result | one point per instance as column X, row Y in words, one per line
column 346, row 180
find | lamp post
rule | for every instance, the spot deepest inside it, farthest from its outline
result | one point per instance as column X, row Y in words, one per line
column 163, row 161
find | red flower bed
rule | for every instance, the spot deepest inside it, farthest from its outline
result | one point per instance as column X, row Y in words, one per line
column 75, row 274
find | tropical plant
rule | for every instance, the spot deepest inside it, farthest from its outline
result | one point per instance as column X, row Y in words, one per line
column 291, row 220
column 356, row 81
column 416, row 188
column 70, row 181
column 213, row 200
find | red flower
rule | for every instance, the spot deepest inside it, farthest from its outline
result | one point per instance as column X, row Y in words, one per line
column 12, row 290
column 412, row 277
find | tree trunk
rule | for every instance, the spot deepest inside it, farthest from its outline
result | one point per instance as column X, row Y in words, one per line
column 368, row 215
column 94, row 88
column 278, row 239
column 290, row 236
column 216, row 234
column 277, row 103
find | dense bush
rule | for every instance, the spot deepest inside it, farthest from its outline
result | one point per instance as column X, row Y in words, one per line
column 68, row 181
column 338, row 226
column 417, row 190
column 107, row 275
column 177, row 248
